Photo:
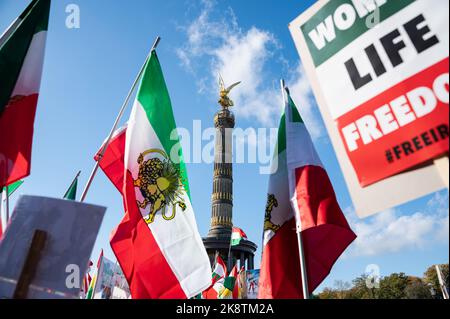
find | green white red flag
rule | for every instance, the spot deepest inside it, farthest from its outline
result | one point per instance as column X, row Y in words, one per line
column 237, row 235
column 94, row 284
column 22, row 49
column 300, row 197
column 218, row 277
column 11, row 189
column 220, row 270
column 157, row 244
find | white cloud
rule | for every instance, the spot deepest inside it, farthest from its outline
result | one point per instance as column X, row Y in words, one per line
column 244, row 55
column 390, row 232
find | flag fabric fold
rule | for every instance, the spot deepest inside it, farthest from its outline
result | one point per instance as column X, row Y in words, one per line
column 300, row 196
column 112, row 162
column 157, row 244
column 22, row 49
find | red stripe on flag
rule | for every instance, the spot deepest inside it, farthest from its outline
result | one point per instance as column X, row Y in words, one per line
column 144, row 265
column 113, row 161
column 325, row 233
column 16, row 139
column 424, row 138
column 240, row 231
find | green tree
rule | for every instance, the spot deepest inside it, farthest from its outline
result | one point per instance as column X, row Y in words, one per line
column 430, row 277
column 328, row 293
column 393, row 286
column 360, row 289
column 417, row 289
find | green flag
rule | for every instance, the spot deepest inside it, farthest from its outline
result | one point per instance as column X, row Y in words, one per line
column 71, row 193
column 13, row 187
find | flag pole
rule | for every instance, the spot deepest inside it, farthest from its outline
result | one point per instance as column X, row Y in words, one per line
column 6, row 190
column 1, row 210
column 116, row 123
column 441, row 282
column 230, row 259
column 301, row 252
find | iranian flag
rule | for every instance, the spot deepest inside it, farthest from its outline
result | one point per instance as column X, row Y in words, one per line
column 157, row 243
column 220, row 270
column 22, row 49
column 300, row 197
column 237, row 235
column 218, row 278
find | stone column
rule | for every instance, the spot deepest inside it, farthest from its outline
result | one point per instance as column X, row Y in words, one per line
column 222, row 196
column 250, row 262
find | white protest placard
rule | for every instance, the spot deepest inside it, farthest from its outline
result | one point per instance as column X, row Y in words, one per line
column 71, row 228
column 380, row 72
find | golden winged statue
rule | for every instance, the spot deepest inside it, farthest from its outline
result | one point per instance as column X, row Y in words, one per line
column 225, row 101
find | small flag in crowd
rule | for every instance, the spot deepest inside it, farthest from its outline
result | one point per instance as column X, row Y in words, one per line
column 218, row 277
column 300, row 197
column 230, row 288
column 86, row 281
column 220, row 270
column 71, row 193
column 237, row 235
column 22, row 49
column 97, row 276
column 11, row 189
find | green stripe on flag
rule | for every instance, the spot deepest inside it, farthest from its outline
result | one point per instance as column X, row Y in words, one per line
column 13, row 187
column 229, row 283
column 281, row 143
column 71, row 193
column 15, row 48
column 154, row 98
column 344, row 37
column 296, row 118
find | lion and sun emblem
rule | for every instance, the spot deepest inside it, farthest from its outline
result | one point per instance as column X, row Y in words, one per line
column 160, row 184
column 272, row 202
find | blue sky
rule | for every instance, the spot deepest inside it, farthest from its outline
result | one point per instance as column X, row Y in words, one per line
column 88, row 72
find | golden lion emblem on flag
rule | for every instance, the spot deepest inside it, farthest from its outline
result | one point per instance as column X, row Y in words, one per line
column 271, row 203
column 160, row 183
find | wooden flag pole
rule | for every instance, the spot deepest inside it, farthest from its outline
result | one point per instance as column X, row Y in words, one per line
column 301, row 252
column 116, row 122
